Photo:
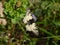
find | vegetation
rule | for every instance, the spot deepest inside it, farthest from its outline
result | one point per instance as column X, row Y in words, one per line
column 47, row 13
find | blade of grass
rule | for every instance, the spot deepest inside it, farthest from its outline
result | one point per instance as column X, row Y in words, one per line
column 47, row 41
column 51, row 37
column 55, row 43
column 22, row 28
column 45, row 31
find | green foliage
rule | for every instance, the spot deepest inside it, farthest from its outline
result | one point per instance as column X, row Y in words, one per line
column 13, row 12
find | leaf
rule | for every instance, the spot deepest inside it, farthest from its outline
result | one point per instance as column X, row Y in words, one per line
column 57, row 23
column 14, row 21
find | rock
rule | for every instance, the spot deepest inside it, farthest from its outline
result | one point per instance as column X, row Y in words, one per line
column 2, row 21
column 1, row 10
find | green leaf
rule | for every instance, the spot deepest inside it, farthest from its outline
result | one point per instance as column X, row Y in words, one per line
column 57, row 23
